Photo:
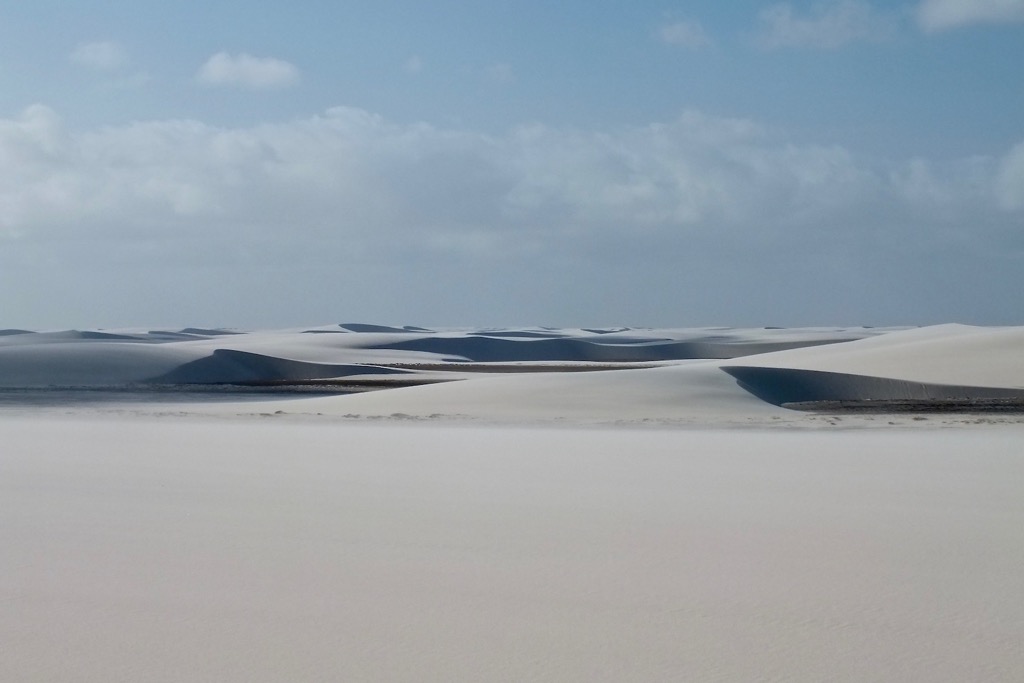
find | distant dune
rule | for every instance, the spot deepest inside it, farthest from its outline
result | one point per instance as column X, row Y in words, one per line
column 702, row 374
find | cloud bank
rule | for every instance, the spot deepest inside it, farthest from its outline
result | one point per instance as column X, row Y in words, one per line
column 666, row 223
column 689, row 34
column 246, row 71
column 826, row 26
column 1010, row 181
column 103, row 56
column 941, row 15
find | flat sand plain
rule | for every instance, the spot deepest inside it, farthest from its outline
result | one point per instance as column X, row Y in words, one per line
column 198, row 549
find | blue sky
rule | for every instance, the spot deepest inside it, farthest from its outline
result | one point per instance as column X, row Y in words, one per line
column 456, row 162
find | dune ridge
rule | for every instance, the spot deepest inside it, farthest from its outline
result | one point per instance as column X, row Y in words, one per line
column 527, row 346
column 941, row 354
column 213, row 356
column 227, row 366
column 928, row 366
column 705, row 375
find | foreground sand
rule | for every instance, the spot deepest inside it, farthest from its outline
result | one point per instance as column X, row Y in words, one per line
column 672, row 521
column 209, row 549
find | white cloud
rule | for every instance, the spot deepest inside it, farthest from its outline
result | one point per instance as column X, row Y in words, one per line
column 104, row 56
column 413, row 65
column 1010, row 183
column 246, row 71
column 129, row 82
column 689, row 34
column 828, row 25
column 687, row 215
column 500, row 73
column 940, row 15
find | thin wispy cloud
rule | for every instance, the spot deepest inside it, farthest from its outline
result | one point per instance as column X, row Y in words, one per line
column 347, row 191
column 941, row 15
column 500, row 73
column 688, row 34
column 1010, row 181
column 413, row 65
column 827, row 25
column 719, row 177
column 129, row 82
column 245, row 71
column 101, row 55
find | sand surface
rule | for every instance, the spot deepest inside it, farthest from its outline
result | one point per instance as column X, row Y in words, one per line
column 246, row 550
column 658, row 523
column 114, row 358
column 928, row 363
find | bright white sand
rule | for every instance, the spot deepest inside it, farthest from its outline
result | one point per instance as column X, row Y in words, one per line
column 221, row 547
column 941, row 354
column 104, row 358
column 696, row 392
column 277, row 550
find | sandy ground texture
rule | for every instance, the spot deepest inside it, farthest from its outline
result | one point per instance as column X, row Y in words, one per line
column 267, row 550
column 937, row 362
column 668, row 522
column 147, row 358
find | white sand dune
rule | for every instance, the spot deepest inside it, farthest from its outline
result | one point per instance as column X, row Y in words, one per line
column 185, row 551
column 71, row 359
column 949, row 361
column 526, row 543
column 698, row 392
column 202, row 356
column 941, row 354
column 88, row 364
column 945, row 362
column 742, row 374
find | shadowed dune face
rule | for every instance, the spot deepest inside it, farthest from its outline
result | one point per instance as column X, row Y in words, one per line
column 780, row 386
column 516, row 334
column 70, row 336
column 513, row 347
column 941, row 367
column 386, row 329
column 226, row 366
column 88, row 363
column 956, row 355
column 203, row 332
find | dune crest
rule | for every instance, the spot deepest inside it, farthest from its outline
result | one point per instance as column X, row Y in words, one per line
column 110, row 358
column 704, row 375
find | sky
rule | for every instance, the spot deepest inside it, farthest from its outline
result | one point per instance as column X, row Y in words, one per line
column 458, row 162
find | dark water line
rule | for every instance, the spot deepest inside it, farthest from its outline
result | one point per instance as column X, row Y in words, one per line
column 79, row 396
